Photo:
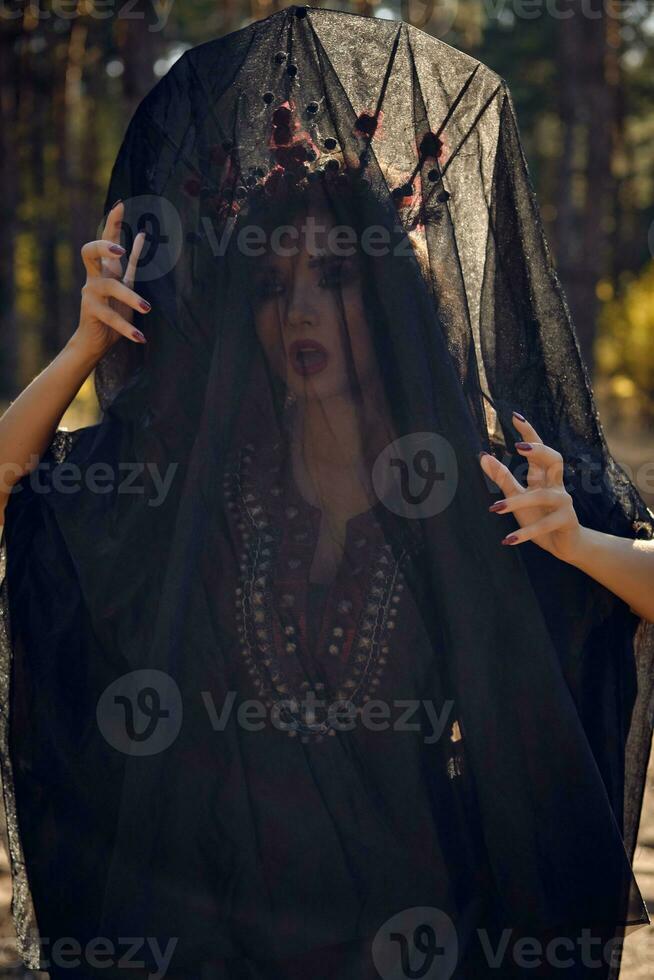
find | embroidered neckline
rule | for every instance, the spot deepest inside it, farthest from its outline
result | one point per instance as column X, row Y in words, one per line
column 276, row 529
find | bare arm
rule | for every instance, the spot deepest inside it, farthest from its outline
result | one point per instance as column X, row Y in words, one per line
column 623, row 565
column 546, row 515
column 28, row 425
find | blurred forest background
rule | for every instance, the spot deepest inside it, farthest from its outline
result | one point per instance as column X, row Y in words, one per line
column 582, row 76
column 581, row 72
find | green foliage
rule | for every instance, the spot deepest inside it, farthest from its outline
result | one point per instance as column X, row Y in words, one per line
column 625, row 342
column 81, row 78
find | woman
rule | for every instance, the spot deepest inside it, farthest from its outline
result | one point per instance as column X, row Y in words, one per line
column 369, row 754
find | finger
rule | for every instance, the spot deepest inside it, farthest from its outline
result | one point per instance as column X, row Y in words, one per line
column 134, row 256
column 553, row 522
column 94, row 252
column 547, row 463
column 500, row 474
column 105, row 288
column 542, row 497
column 525, row 428
column 112, row 233
column 535, row 474
column 105, row 314
column 113, row 223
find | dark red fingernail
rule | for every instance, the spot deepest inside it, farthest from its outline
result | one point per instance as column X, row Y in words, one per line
column 510, row 539
column 137, row 335
column 498, row 506
column 525, row 446
column 117, row 249
column 115, row 203
column 143, row 303
column 519, row 416
column 483, row 453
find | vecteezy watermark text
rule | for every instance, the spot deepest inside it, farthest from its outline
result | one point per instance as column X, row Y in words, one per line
column 341, row 715
column 100, row 952
column 141, row 713
column 94, row 10
column 254, row 241
column 135, row 477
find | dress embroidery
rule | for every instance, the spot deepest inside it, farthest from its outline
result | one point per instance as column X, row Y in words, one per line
column 272, row 623
column 276, row 530
column 61, row 444
column 22, row 907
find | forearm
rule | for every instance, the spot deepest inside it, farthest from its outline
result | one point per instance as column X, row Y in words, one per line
column 623, row 565
column 28, row 425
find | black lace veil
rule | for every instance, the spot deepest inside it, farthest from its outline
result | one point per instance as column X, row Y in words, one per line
column 405, row 343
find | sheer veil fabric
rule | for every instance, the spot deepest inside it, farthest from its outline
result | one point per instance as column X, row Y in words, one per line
column 194, row 551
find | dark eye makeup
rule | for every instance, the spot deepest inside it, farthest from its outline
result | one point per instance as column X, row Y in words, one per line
column 335, row 272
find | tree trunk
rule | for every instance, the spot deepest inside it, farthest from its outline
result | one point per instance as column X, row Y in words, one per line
column 589, row 106
column 139, row 47
column 9, row 75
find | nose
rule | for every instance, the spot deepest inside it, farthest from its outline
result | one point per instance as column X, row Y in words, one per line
column 301, row 310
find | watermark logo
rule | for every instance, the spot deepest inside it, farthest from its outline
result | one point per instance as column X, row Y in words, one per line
column 416, row 944
column 160, row 220
column 417, row 475
column 141, row 712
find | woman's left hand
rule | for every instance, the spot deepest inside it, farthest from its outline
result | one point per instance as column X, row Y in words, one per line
column 544, row 508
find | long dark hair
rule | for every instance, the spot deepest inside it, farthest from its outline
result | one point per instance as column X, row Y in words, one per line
column 285, row 197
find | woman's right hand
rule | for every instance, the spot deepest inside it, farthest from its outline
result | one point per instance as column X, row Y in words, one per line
column 107, row 296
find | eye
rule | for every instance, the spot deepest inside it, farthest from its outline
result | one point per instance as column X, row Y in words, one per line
column 337, row 272
column 267, row 286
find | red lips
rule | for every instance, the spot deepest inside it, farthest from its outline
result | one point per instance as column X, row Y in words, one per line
column 307, row 357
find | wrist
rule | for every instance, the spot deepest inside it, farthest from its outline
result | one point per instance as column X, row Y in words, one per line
column 580, row 553
column 81, row 353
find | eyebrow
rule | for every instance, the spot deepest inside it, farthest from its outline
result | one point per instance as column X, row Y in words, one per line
column 319, row 259
column 322, row 256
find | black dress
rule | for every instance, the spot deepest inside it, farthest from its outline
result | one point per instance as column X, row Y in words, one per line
column 359, row 813
column 367, row 826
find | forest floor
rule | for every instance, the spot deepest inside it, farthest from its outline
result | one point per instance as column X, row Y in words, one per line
column 638, row 956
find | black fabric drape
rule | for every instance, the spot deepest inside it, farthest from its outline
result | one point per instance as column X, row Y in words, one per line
column 254, row 850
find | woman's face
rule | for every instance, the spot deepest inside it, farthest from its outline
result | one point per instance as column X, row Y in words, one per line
column 309, row 313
